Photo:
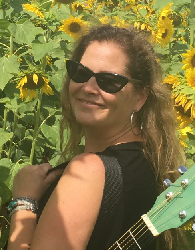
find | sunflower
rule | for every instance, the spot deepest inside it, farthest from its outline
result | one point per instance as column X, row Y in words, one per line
column 76, row 6
column 105, row 20
column 188, row 225
column 173, row 80
column 190, row 77
column 165, row 31
column 189, row 61
column 33, row 8
column 74, row 26
column 183, row 135
column 30, row 82
column 183, row 120
column 120, row 22
column 166, row 11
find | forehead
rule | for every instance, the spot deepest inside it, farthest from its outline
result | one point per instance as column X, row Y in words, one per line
column 105, row 56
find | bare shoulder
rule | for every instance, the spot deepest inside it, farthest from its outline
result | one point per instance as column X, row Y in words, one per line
column 87, row 164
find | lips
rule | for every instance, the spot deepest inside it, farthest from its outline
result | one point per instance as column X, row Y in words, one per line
column 90, row 102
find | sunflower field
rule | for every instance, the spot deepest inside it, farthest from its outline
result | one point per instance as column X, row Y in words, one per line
column 36, row 38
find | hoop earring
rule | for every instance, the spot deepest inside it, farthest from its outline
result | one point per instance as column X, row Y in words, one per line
column 131, row 123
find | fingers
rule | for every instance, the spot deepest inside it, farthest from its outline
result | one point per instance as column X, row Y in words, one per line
column 53, row 175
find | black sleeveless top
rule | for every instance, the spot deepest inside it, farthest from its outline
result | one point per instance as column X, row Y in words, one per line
column 138, row 194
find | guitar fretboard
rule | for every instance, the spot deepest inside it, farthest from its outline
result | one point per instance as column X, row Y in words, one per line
column 136, row 238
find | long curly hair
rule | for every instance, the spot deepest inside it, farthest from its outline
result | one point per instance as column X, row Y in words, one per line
column 157, row 119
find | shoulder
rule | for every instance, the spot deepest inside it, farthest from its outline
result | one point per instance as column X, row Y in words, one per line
column 87, row 164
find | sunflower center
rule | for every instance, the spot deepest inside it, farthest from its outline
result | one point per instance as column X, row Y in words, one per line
column 74, row 27
column 165, row 33
column 79, row 7
column 193, row 61
column 31, row 84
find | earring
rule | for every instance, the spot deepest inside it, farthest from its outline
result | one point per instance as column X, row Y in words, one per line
column 131, row 123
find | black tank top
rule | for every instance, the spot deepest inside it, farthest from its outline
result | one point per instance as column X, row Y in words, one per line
column 139, row 193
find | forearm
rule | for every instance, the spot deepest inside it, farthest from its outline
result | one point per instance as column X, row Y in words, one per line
column 22, row 228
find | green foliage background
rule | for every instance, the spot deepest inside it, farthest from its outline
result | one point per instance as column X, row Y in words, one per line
column 29, row 43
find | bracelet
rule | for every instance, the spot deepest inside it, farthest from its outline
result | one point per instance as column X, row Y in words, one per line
column 23, row 203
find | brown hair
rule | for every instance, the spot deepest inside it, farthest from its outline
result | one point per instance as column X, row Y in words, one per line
column 160, row 143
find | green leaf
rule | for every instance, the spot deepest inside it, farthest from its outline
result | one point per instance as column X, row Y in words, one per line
column 5, row 100
column 62, row 13
column 17, row 5
column 4, row 24
column 57, row 80
column 25, row 32
column 8, row 66
column 41, row 50
column 51, row 133
column 5, row 136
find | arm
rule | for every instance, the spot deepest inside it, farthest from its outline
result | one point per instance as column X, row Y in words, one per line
column 71, row 212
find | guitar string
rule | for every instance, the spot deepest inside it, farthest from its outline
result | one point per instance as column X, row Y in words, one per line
column 175, row 194
column 145, row 226
column 133, row 242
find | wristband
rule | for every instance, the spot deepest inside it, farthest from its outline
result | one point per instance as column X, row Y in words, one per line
column 23, row 203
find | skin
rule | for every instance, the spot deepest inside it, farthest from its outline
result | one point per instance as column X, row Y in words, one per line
column 71, row 212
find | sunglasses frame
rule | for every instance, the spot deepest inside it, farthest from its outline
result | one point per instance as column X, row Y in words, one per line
column 123, row 80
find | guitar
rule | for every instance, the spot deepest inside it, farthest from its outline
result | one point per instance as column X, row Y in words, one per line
column 173, row 207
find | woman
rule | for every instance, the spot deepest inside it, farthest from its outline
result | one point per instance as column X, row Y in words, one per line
column 114, row 98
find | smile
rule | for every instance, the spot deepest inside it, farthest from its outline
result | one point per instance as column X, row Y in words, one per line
column 90, row 103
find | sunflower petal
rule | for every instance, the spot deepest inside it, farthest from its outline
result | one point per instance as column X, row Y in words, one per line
column 47, row 89
column 35, row 78
column 23, row 93
column 33, row 94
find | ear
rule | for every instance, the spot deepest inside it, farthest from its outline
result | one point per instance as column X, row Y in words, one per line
column 142, row 96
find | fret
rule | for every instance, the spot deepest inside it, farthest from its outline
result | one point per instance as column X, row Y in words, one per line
column 134, row 239
column 118, row 245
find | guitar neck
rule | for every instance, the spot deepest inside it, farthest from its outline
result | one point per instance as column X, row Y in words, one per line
column 136, row 238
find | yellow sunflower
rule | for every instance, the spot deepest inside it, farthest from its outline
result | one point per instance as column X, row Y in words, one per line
column 183, row 135
column 74, row 26
column 165, row 32
column 30, row 82
column 33, row 8
column 120, row 22
column 105, row 20
column 183, row 120
column 189, row 61
column 190, row 77
column 166, row 11
column 77, row 6
column 173, row 80
column 188, row 225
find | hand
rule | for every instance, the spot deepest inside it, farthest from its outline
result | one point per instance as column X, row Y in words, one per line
column 34, row 180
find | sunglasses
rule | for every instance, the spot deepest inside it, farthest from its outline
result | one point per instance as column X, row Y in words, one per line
column 108, row 82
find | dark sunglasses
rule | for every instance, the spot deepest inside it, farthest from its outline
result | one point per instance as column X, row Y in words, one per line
column 108, row 82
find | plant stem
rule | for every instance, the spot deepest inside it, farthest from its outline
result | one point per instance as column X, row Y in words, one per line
column 4, row 128
column 123, row 5
column 36, row 132
column 14, row 128
column 11, row 45
column 70, row 7
column 4, row 45
column 191, row 28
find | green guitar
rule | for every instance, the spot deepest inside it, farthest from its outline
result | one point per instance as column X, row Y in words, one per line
column 173, row 207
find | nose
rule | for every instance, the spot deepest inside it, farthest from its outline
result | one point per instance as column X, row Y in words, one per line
column 91, row 86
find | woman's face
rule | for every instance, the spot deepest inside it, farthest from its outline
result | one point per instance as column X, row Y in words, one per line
column 93, row 106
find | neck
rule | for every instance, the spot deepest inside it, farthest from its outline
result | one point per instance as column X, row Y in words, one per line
column 99, row 140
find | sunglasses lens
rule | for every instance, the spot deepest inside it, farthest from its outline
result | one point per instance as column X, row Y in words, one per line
column 110, row 83
column 77, row 72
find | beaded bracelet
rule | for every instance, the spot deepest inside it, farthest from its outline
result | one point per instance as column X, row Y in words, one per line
column 23, row 203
